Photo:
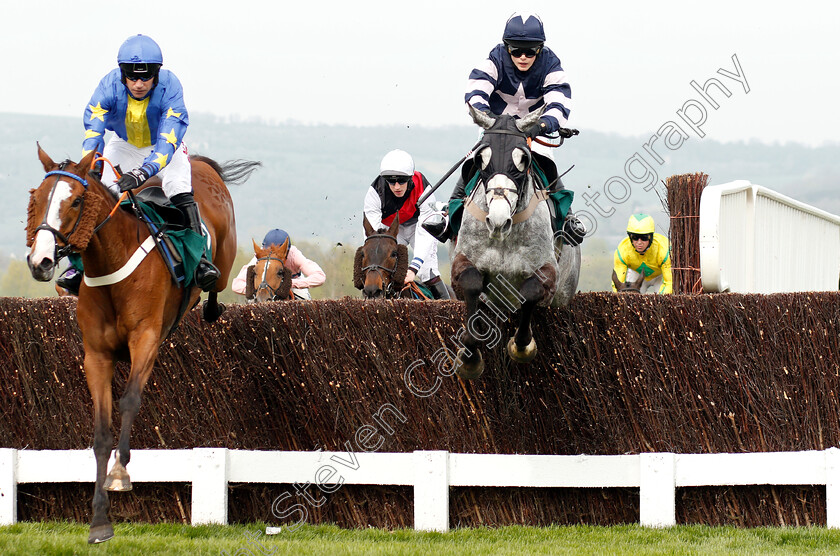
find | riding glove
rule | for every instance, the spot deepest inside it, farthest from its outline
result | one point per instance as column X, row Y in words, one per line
column 538, row 129
column 133, row 179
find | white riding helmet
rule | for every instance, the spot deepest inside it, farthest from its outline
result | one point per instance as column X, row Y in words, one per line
column 397, row 163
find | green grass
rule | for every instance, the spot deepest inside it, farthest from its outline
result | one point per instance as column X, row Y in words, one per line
column 58, row 538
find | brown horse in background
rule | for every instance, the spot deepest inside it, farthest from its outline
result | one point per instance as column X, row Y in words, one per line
column 269, row 279
column 381, row 263
column 628, row 287
column 72, row 211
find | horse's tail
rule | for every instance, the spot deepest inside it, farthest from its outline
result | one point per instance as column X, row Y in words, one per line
column 233, row 172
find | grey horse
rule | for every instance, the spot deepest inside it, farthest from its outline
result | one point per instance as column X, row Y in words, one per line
column 506, row 257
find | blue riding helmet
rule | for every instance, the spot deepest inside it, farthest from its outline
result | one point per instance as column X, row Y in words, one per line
column 275, row 237
column 139, row 49
column 524, row 30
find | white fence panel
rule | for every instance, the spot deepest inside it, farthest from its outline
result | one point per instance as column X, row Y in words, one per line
column 755, row 240
column 432, row 474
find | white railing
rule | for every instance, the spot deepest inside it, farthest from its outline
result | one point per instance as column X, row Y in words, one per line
column 431, row 473
column 754, row 240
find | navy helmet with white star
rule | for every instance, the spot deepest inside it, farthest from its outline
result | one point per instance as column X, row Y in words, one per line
column 524, row 30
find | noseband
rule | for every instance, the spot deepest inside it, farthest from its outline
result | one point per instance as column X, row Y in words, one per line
column 389, row 291
column 67, row 248
column 264, row 284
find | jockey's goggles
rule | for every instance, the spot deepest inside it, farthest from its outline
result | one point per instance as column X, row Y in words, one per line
column 637, row 237
column 528, row 52
column 394, row 180
column 134, row 77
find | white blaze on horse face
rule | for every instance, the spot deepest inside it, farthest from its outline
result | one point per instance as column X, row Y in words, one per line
column 43, row 247
column 501, row 200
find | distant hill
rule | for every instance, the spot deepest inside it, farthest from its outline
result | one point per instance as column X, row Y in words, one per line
column 314, row 178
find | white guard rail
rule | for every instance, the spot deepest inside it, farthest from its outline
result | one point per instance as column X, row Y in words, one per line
column 431, row 473
column 754, row 240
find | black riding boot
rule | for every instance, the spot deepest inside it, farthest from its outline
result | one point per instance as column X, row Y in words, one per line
column 206, row 273
column 442, row 231
column 573, row 230
column 438, row 288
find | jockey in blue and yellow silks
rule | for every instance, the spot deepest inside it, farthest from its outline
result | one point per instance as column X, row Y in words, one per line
column 144, row 106
column 644, row 252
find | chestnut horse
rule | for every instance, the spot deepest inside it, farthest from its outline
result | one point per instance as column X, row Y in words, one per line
column 269, row 279
column 128, row 318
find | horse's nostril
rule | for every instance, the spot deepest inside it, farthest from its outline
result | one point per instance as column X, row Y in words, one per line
column 46, row 264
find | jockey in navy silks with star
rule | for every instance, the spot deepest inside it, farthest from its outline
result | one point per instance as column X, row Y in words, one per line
column 519, row 76
column 144, row 106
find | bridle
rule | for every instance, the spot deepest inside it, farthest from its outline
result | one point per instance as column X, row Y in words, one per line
column 389, row 290
column 61, row 252
column 264, row 284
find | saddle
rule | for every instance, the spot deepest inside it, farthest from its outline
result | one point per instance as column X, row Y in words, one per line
column 179, row 246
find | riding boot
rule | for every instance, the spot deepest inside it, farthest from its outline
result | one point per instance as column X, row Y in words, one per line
column 206, row 273
column 438, row 288
column 573, row 230
column 70, row 280
column 441, row 230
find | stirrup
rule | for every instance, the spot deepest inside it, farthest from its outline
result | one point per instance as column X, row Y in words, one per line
column 206, row 275
column 70, row 280
column 573, row 230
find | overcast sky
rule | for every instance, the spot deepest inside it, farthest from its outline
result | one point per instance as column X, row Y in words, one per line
column 630, row 64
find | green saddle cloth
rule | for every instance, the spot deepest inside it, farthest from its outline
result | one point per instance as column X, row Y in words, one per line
column 561, row 200
column 190, row 245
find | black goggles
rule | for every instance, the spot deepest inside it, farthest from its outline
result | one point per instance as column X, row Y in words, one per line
column 637, row 237
column 394, row 180
column 135, row 77
column 528, row 52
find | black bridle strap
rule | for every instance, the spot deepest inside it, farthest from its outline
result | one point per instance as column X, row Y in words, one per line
column 61, row 252
column 265, row 284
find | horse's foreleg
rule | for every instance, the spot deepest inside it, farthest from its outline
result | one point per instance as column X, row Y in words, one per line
column 522, row 348
column 469, row 363
column 211, row 310
column 99, row 371
column 143, row 353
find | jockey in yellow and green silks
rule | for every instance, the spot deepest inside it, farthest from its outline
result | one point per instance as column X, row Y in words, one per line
column 644, row 252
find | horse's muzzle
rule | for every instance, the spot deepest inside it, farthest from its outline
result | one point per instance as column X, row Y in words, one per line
column 44, row 271
column 498, row 230
column 373, row 292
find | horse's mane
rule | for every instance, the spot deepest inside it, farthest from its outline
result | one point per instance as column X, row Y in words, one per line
column 233, row 172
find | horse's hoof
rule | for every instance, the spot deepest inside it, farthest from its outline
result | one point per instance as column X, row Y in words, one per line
column 118, row 479
column 100, row 533
column 468, row 370
column 209, row 313
column 522, row 355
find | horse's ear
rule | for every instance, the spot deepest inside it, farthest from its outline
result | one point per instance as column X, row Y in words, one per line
column 86, row 162
column 616, row 282
column 394, row 228
column 256, row 246
column 638, row 283
column 481, row 119
column 368, row 228
column 45, row 159
column 284, row 249
column 530, row 120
